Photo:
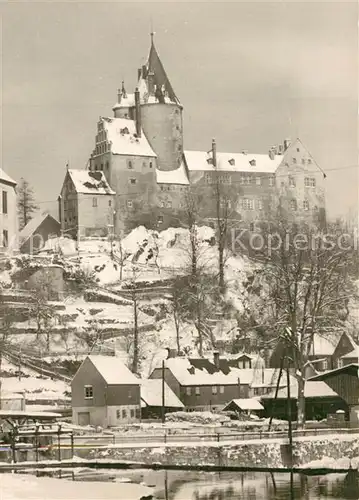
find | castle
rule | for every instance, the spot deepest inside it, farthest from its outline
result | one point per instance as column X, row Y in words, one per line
column 139, row 172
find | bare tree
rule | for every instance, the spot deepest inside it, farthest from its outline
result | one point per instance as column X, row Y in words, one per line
column 26, row 203
column 132, row 289
column 307, row 276
column 91, row 335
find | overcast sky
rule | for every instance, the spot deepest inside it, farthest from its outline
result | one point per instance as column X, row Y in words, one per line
column 247, row 73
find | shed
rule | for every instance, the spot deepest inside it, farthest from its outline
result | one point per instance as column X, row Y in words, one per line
column 320, row 400
column 247, row 405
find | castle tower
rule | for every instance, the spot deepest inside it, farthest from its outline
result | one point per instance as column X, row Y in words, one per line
column 161, row 112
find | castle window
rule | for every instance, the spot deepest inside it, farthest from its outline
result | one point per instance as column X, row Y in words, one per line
column 169, row 204
column 258, row 180
column 162, row 188
column 309, row 161
column 160, row 219
column 207, row 178
column 293, row 205
column 162, row 204
column 260, row 204
column 291, row 182
column 247, row 204
column 151, row 164
column 110, row 203
column 4, row 202
column 297, row 150
column 303, row 161
column 294, row 160
column 309, row 182
column 305, row 205
column 129, row 204
column 144, row 164
column 129, row 164
column 94, row 202
column 271, row 180
column 132, row 180
column 242, row 179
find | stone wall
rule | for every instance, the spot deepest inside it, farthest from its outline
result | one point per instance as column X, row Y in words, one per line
column 260, row 454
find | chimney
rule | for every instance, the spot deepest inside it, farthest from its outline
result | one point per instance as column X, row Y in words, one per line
column 216, row 359
column 119, row 96
column 271, row 154
column 286, row 144
column 139, row 71
column 138, row 112
column 214, row 153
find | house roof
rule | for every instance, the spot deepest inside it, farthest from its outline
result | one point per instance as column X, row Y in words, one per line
column 245, row 404
column 352, row 354
column 34, row 223
column 233, row 162
column 322, row 346
column 202, row 371
column 151, row 394
column 87, row 182
column 121, row 133
column 353, row 369
column 312, row 389
column 5, row 177
column 113, row 370
column 178, row 176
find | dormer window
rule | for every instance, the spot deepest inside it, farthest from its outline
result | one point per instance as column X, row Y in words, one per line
column 232, row 161
column 129, row 164
column 252, row 163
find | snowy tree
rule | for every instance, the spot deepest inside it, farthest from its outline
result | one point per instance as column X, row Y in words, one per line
column 26, row 203
column 303, row 287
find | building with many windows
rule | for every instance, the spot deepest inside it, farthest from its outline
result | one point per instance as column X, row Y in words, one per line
column 140, row 153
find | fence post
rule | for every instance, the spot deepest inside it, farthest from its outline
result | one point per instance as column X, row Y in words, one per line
column 217, row 437
column 72, row 444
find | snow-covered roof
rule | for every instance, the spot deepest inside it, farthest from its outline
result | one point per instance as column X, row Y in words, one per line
column 233, row 162
column 87, row 182
column 113, row 370
column 151, row 394
column 352, row 354
column 312, row 389
column 31, row 227
column 322, row 346
column 178, row 176
column 187, row 374
column 5, row 177
column 245, row 404
column 121, row 133
column 126, row 102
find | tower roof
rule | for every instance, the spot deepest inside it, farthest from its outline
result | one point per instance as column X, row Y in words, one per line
column 156, row 77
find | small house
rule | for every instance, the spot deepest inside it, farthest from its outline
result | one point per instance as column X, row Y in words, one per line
column 152, row 399
column 37, row 232
column 104, row 392
column 346, row 351
column 249, row 405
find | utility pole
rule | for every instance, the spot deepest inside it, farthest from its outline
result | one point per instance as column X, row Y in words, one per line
column 163, row 392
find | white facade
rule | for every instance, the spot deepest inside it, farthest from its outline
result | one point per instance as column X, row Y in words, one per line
column 8, row 214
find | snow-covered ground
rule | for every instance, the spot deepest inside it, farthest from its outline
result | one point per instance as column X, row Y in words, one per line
column 35, row 388
column 25, row 487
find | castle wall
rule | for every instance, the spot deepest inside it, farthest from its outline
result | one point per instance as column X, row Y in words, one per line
column 163, row 127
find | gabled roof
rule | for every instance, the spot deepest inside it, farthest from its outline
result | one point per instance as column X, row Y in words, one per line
column 151, row 394
column 245, row 404
column 322, row 346
column 233, row 162
column 121, row 133
column 352, row 354
column 312, row 389
column 87, row 182
column 5, row 177
column 113, row 370
column 33, row 225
